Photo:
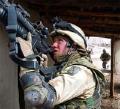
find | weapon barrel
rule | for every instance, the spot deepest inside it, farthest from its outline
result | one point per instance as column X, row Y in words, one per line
column 26, row 23
column 23, row 26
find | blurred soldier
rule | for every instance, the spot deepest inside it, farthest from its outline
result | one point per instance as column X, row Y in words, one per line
column 105, row 57
column 76, row 82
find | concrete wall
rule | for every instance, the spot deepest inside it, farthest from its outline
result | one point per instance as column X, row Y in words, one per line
column 9, row 94
column 117, row 56
column 9, row 97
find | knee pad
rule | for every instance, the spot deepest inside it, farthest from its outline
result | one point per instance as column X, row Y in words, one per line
column 32, row 97
column 37, row 92
column 41, row 97
column 35, row 96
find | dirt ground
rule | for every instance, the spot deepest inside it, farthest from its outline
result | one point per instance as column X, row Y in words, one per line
column 107, row 101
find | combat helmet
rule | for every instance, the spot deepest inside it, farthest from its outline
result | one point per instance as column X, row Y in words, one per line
column 74, row 32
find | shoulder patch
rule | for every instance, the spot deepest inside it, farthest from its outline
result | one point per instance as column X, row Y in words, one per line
column 74, row 70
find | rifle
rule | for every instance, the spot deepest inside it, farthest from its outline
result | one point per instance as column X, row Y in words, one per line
column 17, row 23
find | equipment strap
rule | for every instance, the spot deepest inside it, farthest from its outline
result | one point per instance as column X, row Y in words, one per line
column 12, row 31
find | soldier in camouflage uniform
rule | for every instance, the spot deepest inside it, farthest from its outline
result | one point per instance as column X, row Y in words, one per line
column 76, row 83
column 105, row 57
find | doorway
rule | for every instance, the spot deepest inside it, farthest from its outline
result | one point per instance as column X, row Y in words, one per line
column 96, row 45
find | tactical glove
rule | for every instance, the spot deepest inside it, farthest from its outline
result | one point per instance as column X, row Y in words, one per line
column 26, row 45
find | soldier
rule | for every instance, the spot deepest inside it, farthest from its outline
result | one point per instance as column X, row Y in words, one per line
column 76, row 83
column 105, row 57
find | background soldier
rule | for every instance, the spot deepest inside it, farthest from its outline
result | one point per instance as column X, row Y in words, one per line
column 105, row 57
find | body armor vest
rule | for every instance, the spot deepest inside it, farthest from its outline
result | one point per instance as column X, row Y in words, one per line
column 92, row 102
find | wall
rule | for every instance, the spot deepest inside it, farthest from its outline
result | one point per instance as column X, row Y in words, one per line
column 117, row 56
column 9, row 97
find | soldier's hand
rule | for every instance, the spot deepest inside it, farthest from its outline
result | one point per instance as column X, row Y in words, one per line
column 43, row 60
column 26, row 45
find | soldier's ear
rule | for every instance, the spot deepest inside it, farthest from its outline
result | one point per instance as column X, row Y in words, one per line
column 75, row 45
column 68, row 45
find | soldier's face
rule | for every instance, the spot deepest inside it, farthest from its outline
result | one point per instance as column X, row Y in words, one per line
column 59, row 46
